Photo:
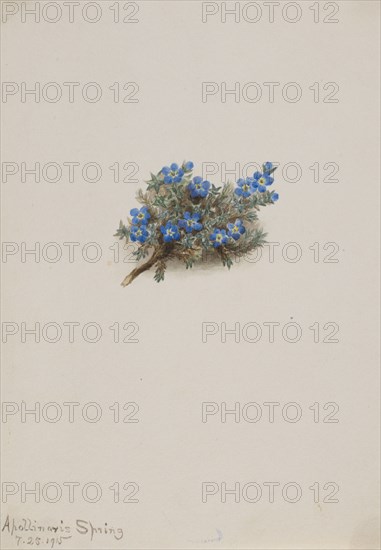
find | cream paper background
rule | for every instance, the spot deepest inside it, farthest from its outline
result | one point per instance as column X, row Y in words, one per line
column 170, row 372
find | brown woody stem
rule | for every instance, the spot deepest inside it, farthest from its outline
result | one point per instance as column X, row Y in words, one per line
column 144, row 267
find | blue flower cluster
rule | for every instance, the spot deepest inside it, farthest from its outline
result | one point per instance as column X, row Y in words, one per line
column 260, row 181
column 244, row 187
column 139, row 228
column 198, row 187
column 220, row 236
column 139, row 233
column 236, row 229
column 170, row 232
column 174, row 173
column 140, row 216
column 191, row 222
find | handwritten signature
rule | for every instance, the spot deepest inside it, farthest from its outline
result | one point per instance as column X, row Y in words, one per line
column 33, row 533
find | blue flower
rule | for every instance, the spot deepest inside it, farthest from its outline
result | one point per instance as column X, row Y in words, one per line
column 170, row 232
column 172, row 174
column 275, row 197
column 190, row 222
column 140, row 216
column 236, row 229
column 261, row 181
column 219, row 237
column 188, row 166
column 244, row 187
column 198, row 187
column 267, row 166
column 139, row 233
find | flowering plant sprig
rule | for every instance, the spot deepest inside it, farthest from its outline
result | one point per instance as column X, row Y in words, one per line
column 183, row 215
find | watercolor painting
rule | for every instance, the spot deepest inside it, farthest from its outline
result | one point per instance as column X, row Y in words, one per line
column 184, row 217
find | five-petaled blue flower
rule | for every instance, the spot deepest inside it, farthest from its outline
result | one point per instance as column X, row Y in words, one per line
column 261, row 181
column 139, row 233
column 236, row 229
column 198, row 187
column 218, row 237
column 172, row 174
column 191, row 222
column 140, row 216
column 245, row 187
column 170, row 232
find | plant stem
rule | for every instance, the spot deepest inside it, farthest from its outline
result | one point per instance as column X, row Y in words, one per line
column 144, row 267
